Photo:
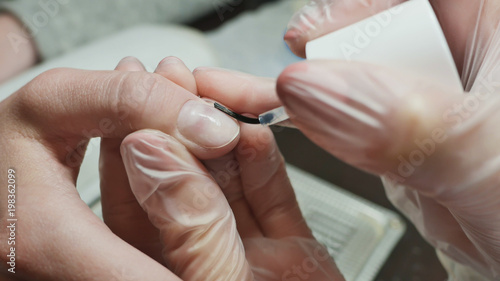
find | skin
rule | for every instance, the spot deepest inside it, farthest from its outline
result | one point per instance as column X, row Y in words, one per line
column 44, row 131
column 46, row 124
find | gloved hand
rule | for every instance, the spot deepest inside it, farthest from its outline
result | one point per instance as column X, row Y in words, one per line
column 436, row 150
column 241, row 205
column 44, row 130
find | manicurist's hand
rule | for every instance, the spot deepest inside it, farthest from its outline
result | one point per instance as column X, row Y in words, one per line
column 436, row 149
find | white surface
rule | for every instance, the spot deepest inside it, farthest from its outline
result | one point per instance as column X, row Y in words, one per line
column 406, row 37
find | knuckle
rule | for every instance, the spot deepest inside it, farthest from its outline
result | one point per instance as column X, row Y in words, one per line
column 32, row 96
column 134, row 92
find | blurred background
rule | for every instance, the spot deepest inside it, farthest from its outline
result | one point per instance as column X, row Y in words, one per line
column 244, row 35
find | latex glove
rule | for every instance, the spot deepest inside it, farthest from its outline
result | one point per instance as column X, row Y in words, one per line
column 436, row 150
column 44, row 129
column 250, row 208
column 256, row 199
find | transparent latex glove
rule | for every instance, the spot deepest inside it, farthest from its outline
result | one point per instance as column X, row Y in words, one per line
column 44, row 130
column 469, row 26
column 244, row 219
column 435, row 149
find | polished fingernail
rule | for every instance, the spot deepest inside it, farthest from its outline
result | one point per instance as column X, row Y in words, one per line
column 206, row 126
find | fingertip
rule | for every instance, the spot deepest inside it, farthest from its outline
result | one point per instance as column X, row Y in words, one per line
column 287, row 76
column 175, row 70
column 240, row 91
column 201, row 75
column 295, row 42
column 170, row 60
column 130, row 63
column 291, row 35
column 300, row 66
column 170, row 64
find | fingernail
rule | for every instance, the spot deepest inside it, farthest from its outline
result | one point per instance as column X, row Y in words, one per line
column 131, row 64
column 205, row 125
column 130, row 59
column 170, row 60
column 291, row 35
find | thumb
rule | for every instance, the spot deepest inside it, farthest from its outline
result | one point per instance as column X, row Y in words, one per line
column 381, row 121
column 197, row 226
column 320, row 17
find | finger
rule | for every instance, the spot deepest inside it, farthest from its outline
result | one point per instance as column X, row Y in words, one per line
column 196, row 225
column 383, row 121
column 321, row 17
column 227, row 173
column 68, row 234
column 470, row 38
column 411, row 132
column 121, row 211
column 130, row 64
column 176, row 71
column 113, row 104
column 57, row 233
column 241, row 92
column 266, row 186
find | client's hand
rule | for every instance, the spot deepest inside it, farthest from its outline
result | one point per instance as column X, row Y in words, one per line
column 44, row 131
